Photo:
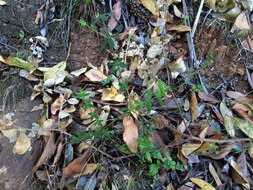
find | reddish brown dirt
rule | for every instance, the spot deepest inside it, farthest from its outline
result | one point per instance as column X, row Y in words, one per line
column 85, row 47
column 220, row 67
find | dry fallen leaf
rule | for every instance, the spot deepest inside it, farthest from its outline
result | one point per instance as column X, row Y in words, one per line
column 95, row 75
column 23, row 144
column 207, row 97
column 244, row 126
column 11, row 134
column 214, row 174
column 202, row 184
column 111, row 94
column 47, row 153
column 194, row 107
column 241, row 22
column 228, row 121
column 130, row 135
column 57, row 105
column 151, row 6
column 114, row 18
column 189, row 148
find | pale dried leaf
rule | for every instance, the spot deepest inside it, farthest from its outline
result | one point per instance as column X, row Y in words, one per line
column 130, row 135
column 202, row 184
column 57, row 105
column 241, row 22
column 95, row 75
column 22, row 145
column 154, row 51
column 2, row 3
column 214, row 174
column 228, row 121
column 194, row 107
column 11, row 134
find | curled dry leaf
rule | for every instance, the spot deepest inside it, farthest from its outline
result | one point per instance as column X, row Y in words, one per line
column 57, row 105
column 116, row 14
column 228, row 121
column 194, row 107
column 242, row 110
column 154, row 51
column 202, row 184
column 241, row 22
column 95, row 75
column 47, row 153
column 23, row 144
column 131, row 134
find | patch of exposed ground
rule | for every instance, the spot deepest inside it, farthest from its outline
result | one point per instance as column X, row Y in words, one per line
column 221, row 67
column 85, row 47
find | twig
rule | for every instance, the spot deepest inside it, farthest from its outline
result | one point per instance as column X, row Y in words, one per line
column 197, row 18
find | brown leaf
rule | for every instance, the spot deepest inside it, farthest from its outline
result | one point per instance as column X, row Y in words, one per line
column 78, row 165
column 242, row 111
column 157, row 139
column 57, row 105
column 194, row 107
column 239, row 96
column 116, row 14
column 207, row 97
column 160, row 121
column 47, row 153
column 130, row 135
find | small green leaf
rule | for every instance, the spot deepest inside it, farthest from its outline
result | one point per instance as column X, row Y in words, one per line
column 153, row 169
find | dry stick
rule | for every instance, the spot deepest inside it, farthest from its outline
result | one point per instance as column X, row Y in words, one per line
column 193, row 57
column 197, row 18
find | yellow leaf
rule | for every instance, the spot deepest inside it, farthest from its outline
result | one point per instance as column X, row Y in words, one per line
column 202, row 184
column 23, row 144
column 194, row 107
column 111, row 94
column 151, row 6
column 130, row 135
column 55, row 74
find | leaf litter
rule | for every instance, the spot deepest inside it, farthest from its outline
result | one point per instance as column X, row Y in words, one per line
column 121, row 108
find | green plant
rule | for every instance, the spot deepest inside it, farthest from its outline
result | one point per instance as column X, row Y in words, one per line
column 162, row 91
column 153, row 157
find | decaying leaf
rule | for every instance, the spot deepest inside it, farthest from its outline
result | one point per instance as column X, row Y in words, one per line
column 244, row 126
column 17, row 62
column 116, row 14
column 23, row 144
column 202, row 184
column 207, row 97
column 228, row 119
column 151, row 6
column 95, row 75
column 131, row 134
column 11, row 134
column 211, row 4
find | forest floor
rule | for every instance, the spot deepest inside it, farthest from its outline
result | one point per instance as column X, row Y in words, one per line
column 126, row 95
